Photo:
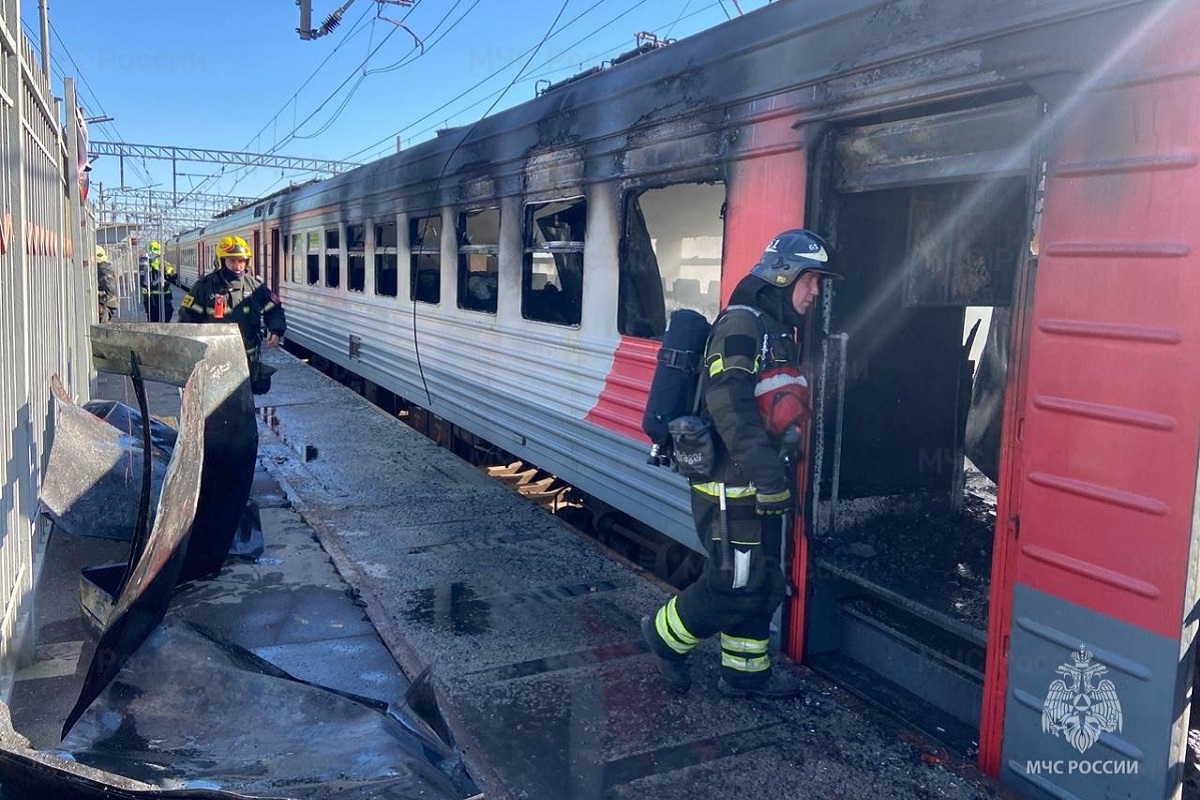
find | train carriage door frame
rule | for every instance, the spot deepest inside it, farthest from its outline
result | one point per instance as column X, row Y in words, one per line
column 930, row 210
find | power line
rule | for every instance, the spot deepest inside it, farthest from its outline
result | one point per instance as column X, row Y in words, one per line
column 499, row 71
column 355, row 29
column 137, row 168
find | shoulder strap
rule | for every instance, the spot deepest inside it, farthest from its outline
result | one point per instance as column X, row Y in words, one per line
column 700, row 384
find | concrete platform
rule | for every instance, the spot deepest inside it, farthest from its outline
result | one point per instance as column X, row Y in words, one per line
column 532, row 632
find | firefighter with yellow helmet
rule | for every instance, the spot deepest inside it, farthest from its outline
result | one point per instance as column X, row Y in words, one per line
column 157, row 275
column 106, row 286
column 231, row 294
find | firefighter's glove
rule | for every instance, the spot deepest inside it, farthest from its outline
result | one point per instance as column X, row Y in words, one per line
column 773, row 503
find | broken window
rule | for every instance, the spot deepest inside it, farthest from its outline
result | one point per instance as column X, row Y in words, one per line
column 425, row 279
column 479, row 259
column 385, row 259
column 356, row 257
column 670, row 256
column 552, row 275
column 333, row 258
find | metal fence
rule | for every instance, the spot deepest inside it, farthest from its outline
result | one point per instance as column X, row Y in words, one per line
column 47, row 302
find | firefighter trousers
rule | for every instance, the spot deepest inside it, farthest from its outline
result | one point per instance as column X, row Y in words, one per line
column 712, row 605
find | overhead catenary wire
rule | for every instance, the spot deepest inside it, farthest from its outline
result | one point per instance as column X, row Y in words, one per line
column 499, row 71
column 449, row 158
column 349, row 34
column 387, row 141
column 139, row 169
column 294, row 133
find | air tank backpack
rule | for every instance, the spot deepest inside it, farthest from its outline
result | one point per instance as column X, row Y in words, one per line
column 681, row 435
column 675, row 387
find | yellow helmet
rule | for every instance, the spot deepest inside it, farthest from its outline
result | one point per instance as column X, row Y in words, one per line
column 155, row 248
column 232, row 247
column 101, row 256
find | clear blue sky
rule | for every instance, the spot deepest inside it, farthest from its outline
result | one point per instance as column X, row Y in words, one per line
column 236, row 76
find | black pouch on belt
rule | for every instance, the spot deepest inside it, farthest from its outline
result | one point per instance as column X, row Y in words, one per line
column 695, row 449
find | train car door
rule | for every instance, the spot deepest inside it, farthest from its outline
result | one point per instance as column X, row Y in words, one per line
column 931, row 218
column 1103, row 510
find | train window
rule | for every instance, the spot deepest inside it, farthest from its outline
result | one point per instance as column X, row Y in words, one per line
column 552, row 274
column 425, row 281
column 385, row 259
column 356, row 257
column 333, row 259
column 296, row 256
column 479, row 259
column 313, row 262
column 670, row 256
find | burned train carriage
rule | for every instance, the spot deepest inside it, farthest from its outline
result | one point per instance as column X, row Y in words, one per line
column 1001, row 472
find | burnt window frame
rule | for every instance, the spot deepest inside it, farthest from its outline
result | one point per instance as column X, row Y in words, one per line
column 567, row 310
column 382, row 252
column 649, row 325
column 332, row 271
column 465, row 252
column 418, row 249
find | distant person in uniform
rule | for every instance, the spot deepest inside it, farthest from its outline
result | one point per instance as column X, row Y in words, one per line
column 157, row 276
column 107, row 292
column 757, row 400
column 230, row 294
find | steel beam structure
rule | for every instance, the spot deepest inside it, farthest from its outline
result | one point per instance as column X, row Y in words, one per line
column 196, row 197
column 235, row 157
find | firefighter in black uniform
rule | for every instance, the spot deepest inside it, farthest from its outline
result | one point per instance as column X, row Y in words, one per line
column 230, row 294
column 106, row 286
column 157, row 275
column 739, row 513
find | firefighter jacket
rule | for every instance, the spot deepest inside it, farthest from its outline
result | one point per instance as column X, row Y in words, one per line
column 744, row 342
column 152, row 278
column 244, row 300
column 106, row 285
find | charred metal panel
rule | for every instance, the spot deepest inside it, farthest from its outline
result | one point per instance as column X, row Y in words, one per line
column 991, row 141
column 679, row 146
column 94, row 475
column 183, row 699
column 167, row 353
column 154, row 571
column 964, row 243
column 554, row 172
column 903, row 392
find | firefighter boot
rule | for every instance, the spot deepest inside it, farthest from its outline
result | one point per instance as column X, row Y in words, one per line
column 673, row 670
column 778, row 686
